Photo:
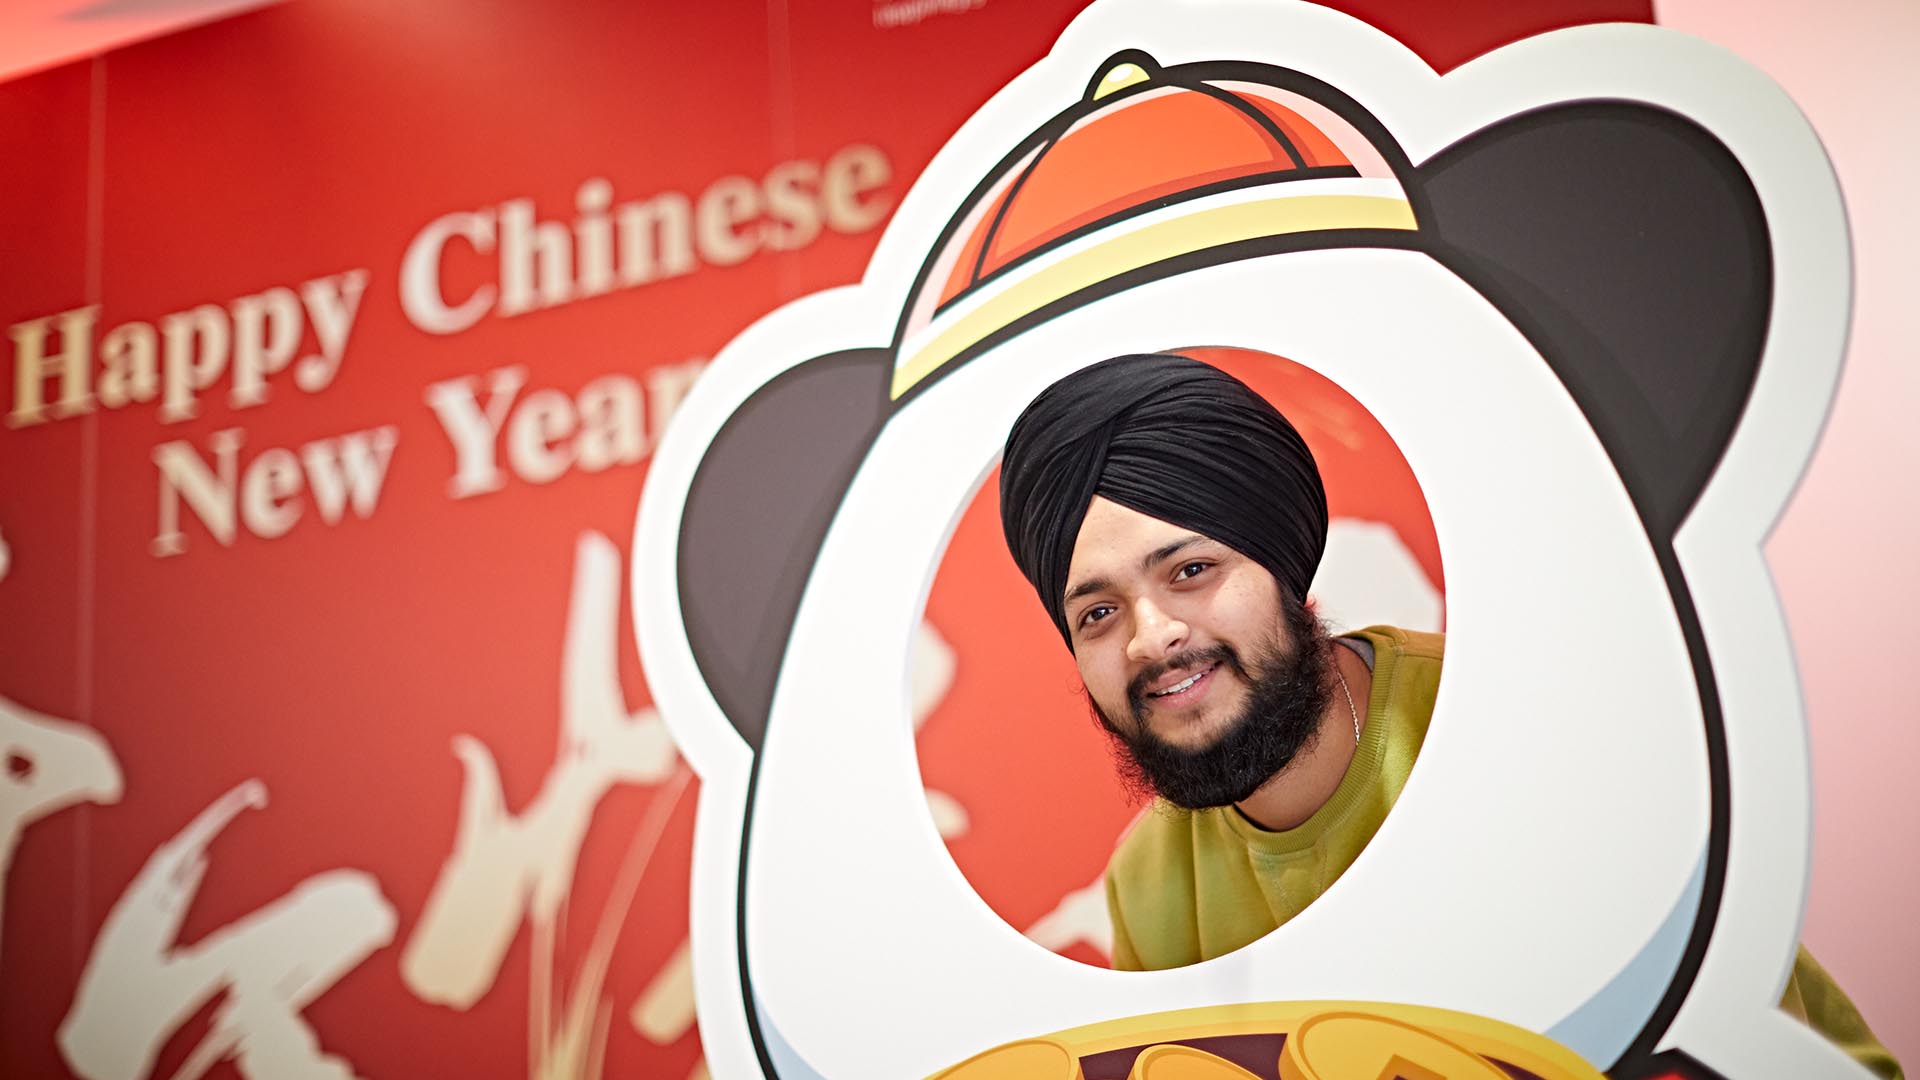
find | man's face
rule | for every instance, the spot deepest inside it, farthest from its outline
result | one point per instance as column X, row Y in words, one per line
column 1191, row 658
column 1147, row 603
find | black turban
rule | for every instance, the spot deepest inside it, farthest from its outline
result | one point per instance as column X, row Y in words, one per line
column 1174, row 439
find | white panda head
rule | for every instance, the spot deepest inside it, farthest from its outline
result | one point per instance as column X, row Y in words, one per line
column 1593, row 284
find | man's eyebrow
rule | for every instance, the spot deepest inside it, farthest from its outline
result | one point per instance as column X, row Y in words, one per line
column 1153, row 558
column 1165, row 551
column 1091, row 585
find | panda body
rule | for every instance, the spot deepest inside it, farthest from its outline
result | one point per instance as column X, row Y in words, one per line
column 847, row 872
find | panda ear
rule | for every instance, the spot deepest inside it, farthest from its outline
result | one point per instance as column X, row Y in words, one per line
column 1629, row 246
column 756, row 514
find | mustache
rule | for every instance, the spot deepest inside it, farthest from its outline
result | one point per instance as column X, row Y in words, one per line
column 1192, row 659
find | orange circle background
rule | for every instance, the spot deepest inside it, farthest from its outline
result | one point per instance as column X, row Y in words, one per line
column 1013, row 742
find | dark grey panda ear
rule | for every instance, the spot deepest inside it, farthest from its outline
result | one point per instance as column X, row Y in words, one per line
column 1627, row 243
column 756, row 513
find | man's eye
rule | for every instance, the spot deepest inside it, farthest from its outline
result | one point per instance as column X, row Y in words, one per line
column 1094, row 614
column 1187, row 570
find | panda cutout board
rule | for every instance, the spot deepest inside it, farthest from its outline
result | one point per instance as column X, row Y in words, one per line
column 1593, row 284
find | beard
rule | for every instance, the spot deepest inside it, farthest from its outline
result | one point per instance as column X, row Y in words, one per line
column 1288, row 690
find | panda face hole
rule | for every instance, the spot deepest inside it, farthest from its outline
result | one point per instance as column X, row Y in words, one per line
column 1019, row 777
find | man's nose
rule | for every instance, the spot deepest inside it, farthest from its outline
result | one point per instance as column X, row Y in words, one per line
column 1156, row 633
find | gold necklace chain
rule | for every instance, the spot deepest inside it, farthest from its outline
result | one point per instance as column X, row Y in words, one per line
column 1351, row 711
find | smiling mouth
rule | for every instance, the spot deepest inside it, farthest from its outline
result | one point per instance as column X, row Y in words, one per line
column 1200, row 666
column 1184, row 685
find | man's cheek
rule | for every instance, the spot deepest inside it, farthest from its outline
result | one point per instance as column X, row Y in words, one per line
column 1094, row 678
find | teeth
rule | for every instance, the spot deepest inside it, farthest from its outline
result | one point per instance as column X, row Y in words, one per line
column 1179, row 686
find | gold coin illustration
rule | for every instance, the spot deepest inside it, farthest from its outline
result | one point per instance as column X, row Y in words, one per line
column 1173, row 1062
column 1357, row 1046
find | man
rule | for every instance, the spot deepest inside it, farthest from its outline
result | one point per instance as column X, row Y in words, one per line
column 1171, row 520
